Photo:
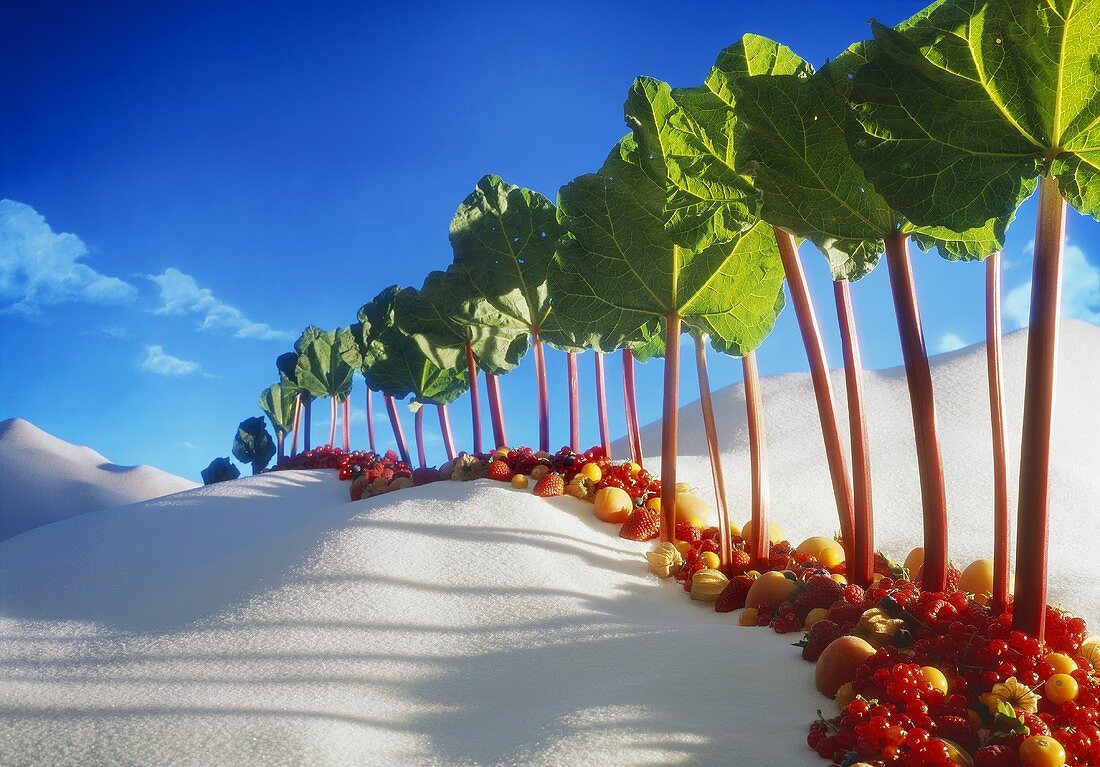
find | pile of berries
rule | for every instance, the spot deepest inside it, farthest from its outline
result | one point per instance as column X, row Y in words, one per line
column 322, row 457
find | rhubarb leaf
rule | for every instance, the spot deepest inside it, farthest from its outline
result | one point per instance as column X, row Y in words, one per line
column 279, row 403
column 960, row 109
column 253, row 445
column 327, row 362
column 219, row 470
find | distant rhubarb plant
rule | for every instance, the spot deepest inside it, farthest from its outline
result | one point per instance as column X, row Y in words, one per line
column 220, row 470
column 253, row 444
column 280, row 403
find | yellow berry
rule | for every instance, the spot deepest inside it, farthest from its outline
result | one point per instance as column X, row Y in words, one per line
column 592, row 471
column 753, row 573
column 540, row 471
column 748, row 617
column 815, row 615
column 519, row 481
column 936, row 678
column 1042, row 751
column 1061, row 688
column 840, row 579
column 831, row 556
column 633, row 468
column 683, row 547
column 501, row 452
column 710, row 559
column 654, row 503
column 1063, row 664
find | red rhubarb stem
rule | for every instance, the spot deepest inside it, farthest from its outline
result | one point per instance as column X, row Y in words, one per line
column 670, row 427
column 418, row 426
column 281, row 438
column 862, row 569
column 398, row 432
column 574, row 403
column 496, row 410
column 370, row 421
column 823, row 392
column 760, row 544
column 307, row 418
column 297, row 424
column 347, row 423
column 633, row 431
column 332, row 421
column 475, row 397
column 542, row 392
column 601, row 404
column 922, row 402
column 706, row 404
column 1029, row 608
column 445, row 431
column 1001, row 553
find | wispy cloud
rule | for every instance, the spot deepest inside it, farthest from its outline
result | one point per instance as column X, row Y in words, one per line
column 1080, row 291
column 157, row 361
column 180, row 294
column 41, row 268
column 949, row 342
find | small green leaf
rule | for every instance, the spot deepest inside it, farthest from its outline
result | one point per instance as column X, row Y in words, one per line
column 253, row 444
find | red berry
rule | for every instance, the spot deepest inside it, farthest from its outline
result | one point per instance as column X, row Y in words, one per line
column 549, row 485
column 643, row 524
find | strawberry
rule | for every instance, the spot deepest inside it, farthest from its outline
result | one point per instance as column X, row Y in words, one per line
column 685, row 531
column 500, row 471
column 821, row 591
column 642, row 525
column 821, row 636
column 733, row 596
column 549, row 485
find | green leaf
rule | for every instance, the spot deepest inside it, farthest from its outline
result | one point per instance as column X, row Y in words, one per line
column 619, row 270
column 253, row 444
column 327, row 362
column 961, row 109
column 504, row 238
column 220, row 470
column 279, row 403
column 690, row 131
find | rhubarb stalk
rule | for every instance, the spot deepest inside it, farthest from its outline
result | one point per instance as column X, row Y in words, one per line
column 670, row 427
column 332, row 421
column 370, row 421
column 922, row 402
column 308, row 418
column 1029, row 608
column 601, row 404
column 725, row 548
column 862, row 568
column 760, row 543
column 633, row 431
column 496, row 410
column 997, row 422
column 398, row 432
column 574, row 403
column 297, row 424
column 445, row 431
column 543, row 392
column 819, row 374
column 475, row 397
column 418, row 425
column 347, row 424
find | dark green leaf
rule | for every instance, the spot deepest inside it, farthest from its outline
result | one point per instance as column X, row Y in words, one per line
column 220, row 470
column 253, row 444
column 279, row 403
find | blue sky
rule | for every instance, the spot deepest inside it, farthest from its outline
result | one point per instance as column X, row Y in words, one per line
column 188, row 185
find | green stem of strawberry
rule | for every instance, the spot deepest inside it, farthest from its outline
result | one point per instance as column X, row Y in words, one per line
column 706, row 404
column 823, row 392
column 760, row 545
column 670, row 427
column 922, row 401
column 862, row 563
column 601, row 405
column 574, row 403
column 1029, row 608
column 997, row 422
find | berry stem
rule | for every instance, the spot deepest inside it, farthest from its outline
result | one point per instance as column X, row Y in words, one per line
column 1001, row 552
column 706, row 404
column 542, row 391
column 922, row 402
column 670, row 426
column 418, row 431
column 574, row 403
column 370, row 421
column 601, row 404
column 823, row 392
column 475, row 397
column 760, row 545
column 634, row 435
column 862, row 570
column 1029, row 610
column 398, row 432
column 445, row 431
column 496, row 410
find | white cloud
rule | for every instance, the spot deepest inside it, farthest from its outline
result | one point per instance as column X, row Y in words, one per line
column 949, row 342
column 1080, row 291
column 156, row 361
column 41, row 268
column 180, row 294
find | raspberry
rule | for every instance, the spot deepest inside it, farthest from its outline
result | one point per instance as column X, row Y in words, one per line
column 821, row 591
column 733, row 596
column 995, row 756
column 685, row 531
column 643, row 524
column 499, row 471
column 740, row 561
column 853, row 594
column 549, row 485
column 821, row 636
column 844, row 614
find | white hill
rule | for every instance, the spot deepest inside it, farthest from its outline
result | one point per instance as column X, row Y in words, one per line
column 269, row 620
column 801, row 494
column 44, row 479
